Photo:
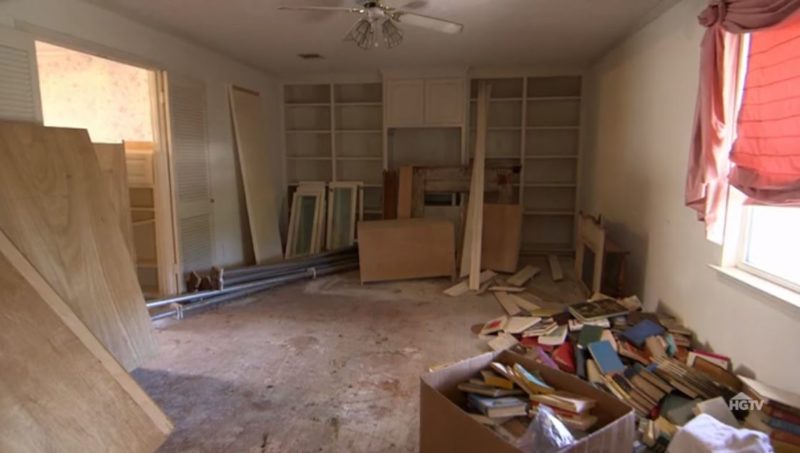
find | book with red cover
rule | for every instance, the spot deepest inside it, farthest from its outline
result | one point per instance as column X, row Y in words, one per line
column 564, row 356
column 785, row 436
column 777, row 411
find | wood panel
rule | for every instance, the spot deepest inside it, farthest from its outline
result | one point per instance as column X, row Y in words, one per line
column 54, row 208
column 251, row 144
column 502, row 235
column 404, row 249
column 61, row 390
column 405, row 188
column 113, row 166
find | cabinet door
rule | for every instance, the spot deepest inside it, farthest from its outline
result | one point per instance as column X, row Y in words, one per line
column 405, row 102
column 444, row 101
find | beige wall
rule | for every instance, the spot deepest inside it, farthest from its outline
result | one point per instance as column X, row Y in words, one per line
column 639, row 113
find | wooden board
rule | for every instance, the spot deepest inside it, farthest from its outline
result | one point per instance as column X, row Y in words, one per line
column 473, row 229
column 555, row 268
column 502, row 235
column 55, row 209
column 404, row 249
column 462, row 287
column 523, row 275
column 592, row 239
column 507, row 303
column 249, row 127
column 405, row 192
column 113, row 166
column 61, row 390
column 389, row 195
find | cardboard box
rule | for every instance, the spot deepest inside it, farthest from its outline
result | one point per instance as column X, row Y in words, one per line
column 404, row 249
column 446, row 427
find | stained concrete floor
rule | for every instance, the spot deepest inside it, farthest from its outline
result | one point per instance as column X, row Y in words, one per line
column 320, row 366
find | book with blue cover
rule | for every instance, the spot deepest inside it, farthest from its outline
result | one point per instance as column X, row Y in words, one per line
column 606, row 357
column 642, row 331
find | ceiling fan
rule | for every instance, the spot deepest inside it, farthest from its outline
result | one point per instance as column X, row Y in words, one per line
column 375, row 14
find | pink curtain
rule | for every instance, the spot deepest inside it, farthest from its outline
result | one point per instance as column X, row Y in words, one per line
column 720, row 61
column 766, row 155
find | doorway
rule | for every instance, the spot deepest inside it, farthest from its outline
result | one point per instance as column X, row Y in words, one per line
column 119, row 103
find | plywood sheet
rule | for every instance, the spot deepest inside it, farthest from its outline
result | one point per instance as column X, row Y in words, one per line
column 54, row 208
column 113, row 166
column 502, row 235
column 249, row 127
column 60, row 390
column 404, row 249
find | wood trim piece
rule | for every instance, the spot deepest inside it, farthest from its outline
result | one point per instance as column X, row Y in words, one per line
column 254, row 161
column 462, row 287
column 508, row 304
column 59, row 379
column 592, row 235
column 471, row 253
column 113, row 166
column 405, row 192
column 523, row 275
column 555, row 268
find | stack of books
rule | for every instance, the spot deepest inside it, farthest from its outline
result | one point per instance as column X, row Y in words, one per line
column 504, row 394
column 778, row 416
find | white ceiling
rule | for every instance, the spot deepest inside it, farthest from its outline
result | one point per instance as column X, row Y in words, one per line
column 500, row 33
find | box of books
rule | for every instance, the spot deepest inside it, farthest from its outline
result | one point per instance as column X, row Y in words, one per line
column 487, row 403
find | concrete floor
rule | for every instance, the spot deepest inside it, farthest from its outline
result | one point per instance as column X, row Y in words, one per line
column 319, row 366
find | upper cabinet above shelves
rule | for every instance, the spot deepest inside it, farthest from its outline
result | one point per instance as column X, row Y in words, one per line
column 307, row 94
column 562, row 86
column 425, row 102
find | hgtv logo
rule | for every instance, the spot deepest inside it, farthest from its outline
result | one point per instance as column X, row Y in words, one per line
column 742, row 402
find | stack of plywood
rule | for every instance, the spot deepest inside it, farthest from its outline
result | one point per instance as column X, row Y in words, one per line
column 73, row 315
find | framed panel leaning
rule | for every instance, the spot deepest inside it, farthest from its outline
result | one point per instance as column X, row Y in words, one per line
column 345, row 202
column 305, row 220
column 589, row 253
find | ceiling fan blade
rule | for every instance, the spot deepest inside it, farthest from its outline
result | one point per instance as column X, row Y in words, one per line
column 321, row 8
column 431, row 23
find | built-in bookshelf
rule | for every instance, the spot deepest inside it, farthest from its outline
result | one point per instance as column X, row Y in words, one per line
column 334, row 132
column 535, row 122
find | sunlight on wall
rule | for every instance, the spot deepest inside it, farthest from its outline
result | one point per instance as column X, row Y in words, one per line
column 110, row 99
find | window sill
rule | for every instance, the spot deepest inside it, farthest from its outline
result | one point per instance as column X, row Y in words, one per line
column 764, row 286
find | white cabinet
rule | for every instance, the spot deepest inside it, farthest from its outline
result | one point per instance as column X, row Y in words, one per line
column 425, row 102
column 444, row 101
column 405, row 102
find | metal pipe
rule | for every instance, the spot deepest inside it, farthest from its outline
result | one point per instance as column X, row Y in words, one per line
column 235, row 280
column 252, row 289
column 291, row 263
column 206, row 294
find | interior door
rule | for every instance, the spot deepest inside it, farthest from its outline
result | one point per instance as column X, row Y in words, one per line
column 19, row 80
column 188, row 128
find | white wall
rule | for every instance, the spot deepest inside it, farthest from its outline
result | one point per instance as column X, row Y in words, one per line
column 99, row 31
column 640, row 104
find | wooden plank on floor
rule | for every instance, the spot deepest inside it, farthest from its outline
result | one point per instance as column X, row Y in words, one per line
column 257, row 174
column 61, row 389
column 55, row 209
column 523, row 303
column 473, row 231
column 523, row 275
column 555, row 268
column 502, row 235
column 462, row 287
column 508, row 304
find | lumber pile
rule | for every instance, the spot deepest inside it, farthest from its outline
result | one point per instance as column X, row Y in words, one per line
column 76, row 318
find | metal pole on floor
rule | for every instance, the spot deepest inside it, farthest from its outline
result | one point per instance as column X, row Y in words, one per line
column 239, row 291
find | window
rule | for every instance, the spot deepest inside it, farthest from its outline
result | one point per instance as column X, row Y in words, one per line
column 770, row 244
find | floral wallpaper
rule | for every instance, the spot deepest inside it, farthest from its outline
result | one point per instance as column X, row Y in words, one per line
column 110, row 99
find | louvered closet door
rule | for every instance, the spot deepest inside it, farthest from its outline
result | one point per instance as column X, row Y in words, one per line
column 188, row 129
column 19, row 82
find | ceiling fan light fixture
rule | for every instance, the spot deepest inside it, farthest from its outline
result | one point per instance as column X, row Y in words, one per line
column 392, row 35
column 363, row 34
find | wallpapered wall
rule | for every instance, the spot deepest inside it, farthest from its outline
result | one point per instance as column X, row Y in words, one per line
column 110, row 99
